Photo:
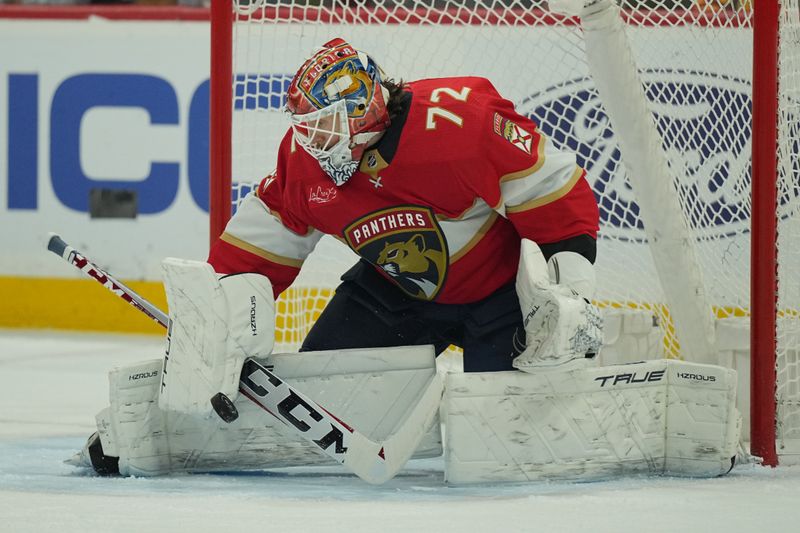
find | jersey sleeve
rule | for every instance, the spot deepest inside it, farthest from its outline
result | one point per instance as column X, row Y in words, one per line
column 265, row 235
column 540, row 189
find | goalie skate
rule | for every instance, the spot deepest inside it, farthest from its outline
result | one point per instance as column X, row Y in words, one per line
column 92, row 456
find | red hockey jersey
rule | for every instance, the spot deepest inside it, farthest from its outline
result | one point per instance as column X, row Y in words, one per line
column 438, row 206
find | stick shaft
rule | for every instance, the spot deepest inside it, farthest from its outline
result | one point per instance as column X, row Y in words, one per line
column 79, row 261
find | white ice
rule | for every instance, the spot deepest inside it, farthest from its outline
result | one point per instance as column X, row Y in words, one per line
column 52, row 384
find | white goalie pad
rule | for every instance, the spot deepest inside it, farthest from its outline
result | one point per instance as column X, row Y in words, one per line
column 656, row 417
column 215, row 324
column 374, row 390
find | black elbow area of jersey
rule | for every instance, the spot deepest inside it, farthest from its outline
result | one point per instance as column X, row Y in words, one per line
column 585, row 245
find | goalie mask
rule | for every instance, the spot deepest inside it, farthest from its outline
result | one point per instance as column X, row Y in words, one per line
column 337, row 107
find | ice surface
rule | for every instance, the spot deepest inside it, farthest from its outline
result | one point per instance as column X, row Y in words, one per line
column 52, row 384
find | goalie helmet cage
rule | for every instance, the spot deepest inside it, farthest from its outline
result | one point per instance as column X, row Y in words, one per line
column 721, row 81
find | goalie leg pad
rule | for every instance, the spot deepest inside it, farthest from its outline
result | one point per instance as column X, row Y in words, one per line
column 373, row 389
column 215, row 324
column 658, row 417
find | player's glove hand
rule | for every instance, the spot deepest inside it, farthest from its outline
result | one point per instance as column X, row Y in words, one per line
column 562, row 328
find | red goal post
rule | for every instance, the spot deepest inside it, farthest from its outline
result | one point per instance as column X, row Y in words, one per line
column 703, row 252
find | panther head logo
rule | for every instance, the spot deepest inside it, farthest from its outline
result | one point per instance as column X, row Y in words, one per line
column 412, row 261
column 406, row 245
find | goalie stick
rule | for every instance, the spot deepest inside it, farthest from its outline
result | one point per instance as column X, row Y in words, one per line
column 373, row 462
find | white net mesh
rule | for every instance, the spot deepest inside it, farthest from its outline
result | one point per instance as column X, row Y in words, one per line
column 695, row 62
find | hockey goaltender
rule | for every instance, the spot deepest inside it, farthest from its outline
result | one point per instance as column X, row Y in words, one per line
column 473, row 230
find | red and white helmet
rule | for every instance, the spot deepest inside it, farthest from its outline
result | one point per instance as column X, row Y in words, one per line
column 338, row 107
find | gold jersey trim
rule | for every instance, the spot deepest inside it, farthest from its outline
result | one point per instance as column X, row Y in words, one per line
column 548, row 198
column 478, row 237
column 531, row 170
column 372, row 162
column 255, row 250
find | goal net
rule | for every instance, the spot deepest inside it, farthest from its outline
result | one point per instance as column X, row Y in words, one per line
column 675, row 236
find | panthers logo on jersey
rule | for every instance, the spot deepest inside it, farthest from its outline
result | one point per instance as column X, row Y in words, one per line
column 407, row 244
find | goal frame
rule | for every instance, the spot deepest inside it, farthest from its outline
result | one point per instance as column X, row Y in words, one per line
column 763, row 278
column 763, row 229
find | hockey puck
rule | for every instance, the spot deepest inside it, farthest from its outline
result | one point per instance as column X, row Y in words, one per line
column 224, row 407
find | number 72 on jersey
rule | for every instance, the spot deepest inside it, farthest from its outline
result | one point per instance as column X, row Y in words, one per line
column 440, row 112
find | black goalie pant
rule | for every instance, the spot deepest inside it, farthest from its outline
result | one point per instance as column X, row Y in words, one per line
column 368, row 311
